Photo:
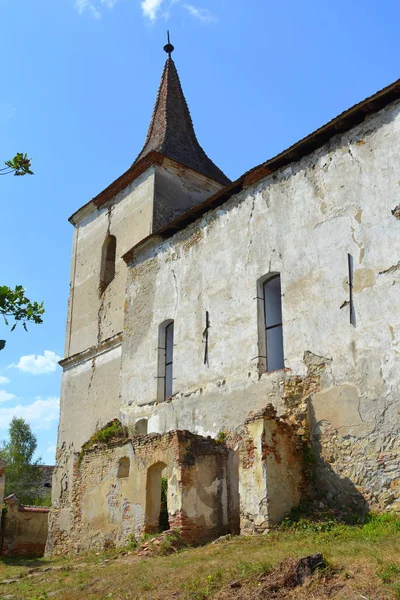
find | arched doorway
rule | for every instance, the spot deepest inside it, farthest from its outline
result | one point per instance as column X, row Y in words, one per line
column 156, row 499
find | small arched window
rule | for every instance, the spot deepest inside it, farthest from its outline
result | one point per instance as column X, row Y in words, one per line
column 123, row 467
column 108, row 257
column 165, row 359
column 270, row 340
column 141, row 427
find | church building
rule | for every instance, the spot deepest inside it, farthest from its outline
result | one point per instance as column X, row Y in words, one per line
column 234, row 344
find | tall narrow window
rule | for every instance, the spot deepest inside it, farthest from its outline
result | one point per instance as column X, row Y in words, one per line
column 108, row 262
column 165, row 360
column 169, row 355
column 273, row 323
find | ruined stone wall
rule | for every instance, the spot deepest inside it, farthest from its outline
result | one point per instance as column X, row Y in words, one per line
column 25, row 529
column 340, row 379
column 109, row 507
column 271, row 471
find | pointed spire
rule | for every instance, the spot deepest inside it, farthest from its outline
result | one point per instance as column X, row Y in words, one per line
column 171, row 131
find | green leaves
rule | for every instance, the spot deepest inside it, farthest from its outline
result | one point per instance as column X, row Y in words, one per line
column 19, row 165
column 23, row 475
column 15, row 305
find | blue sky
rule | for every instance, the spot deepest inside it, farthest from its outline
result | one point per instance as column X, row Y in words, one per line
column 79, row 83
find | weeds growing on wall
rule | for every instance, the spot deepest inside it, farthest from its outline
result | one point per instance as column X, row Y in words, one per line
column 111, row 432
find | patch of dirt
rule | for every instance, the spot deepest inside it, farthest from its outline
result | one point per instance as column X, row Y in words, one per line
column 291, row 581
column 290, row 574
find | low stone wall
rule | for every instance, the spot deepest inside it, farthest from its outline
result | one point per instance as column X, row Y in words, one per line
column 24, row 530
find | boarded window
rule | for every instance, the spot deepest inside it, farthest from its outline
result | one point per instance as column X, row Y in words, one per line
column 273, row 323
column 108, row 258
column 123, row 467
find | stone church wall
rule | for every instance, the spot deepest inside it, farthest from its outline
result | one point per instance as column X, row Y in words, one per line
column 301, row 222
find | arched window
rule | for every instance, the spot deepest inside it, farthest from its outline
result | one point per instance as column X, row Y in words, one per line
column 270, row 330
column 165, row 359
column 123, row 467
column 108, row 257
column 141, row 427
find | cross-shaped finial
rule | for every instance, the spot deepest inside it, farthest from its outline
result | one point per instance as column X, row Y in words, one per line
column 168, row 47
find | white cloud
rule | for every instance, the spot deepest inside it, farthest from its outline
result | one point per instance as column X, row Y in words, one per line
column 6, row 396
column 38, row 364
column 151, row 8
column 93, row 6
column 86, row 5
column 51, row 449
column 41, row 414
column 4, row 380
column 201, row 13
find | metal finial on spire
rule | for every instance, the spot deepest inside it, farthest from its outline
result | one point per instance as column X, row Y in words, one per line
column 169, row 47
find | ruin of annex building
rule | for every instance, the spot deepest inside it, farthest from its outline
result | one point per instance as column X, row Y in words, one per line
column 231, row 342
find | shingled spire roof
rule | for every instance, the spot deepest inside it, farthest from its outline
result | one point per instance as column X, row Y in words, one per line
column 171, row 131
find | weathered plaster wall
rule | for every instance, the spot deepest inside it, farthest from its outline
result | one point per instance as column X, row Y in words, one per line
column 25, row 529
column 154, row 198
column 90, row 384
column 271, row 479
column 107, row 509
column 94, row 317
column 301, row 222
column 176, row 190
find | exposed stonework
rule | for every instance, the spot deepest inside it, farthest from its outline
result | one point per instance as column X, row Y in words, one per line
column 271, row 479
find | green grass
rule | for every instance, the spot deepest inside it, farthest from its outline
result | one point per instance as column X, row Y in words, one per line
column 365, row 559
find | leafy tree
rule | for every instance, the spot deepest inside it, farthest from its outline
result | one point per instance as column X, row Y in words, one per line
column 16, row 306
column 13, row 302
column 23, row 477
column 19, row 165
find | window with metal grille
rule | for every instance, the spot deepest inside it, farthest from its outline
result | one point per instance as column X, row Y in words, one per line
column 273, row 323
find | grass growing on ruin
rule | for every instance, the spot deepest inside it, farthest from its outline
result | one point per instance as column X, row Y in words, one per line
column 364, row 561
column 110, row 432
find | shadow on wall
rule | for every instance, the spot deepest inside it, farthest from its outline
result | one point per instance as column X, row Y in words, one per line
column 337, row 491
